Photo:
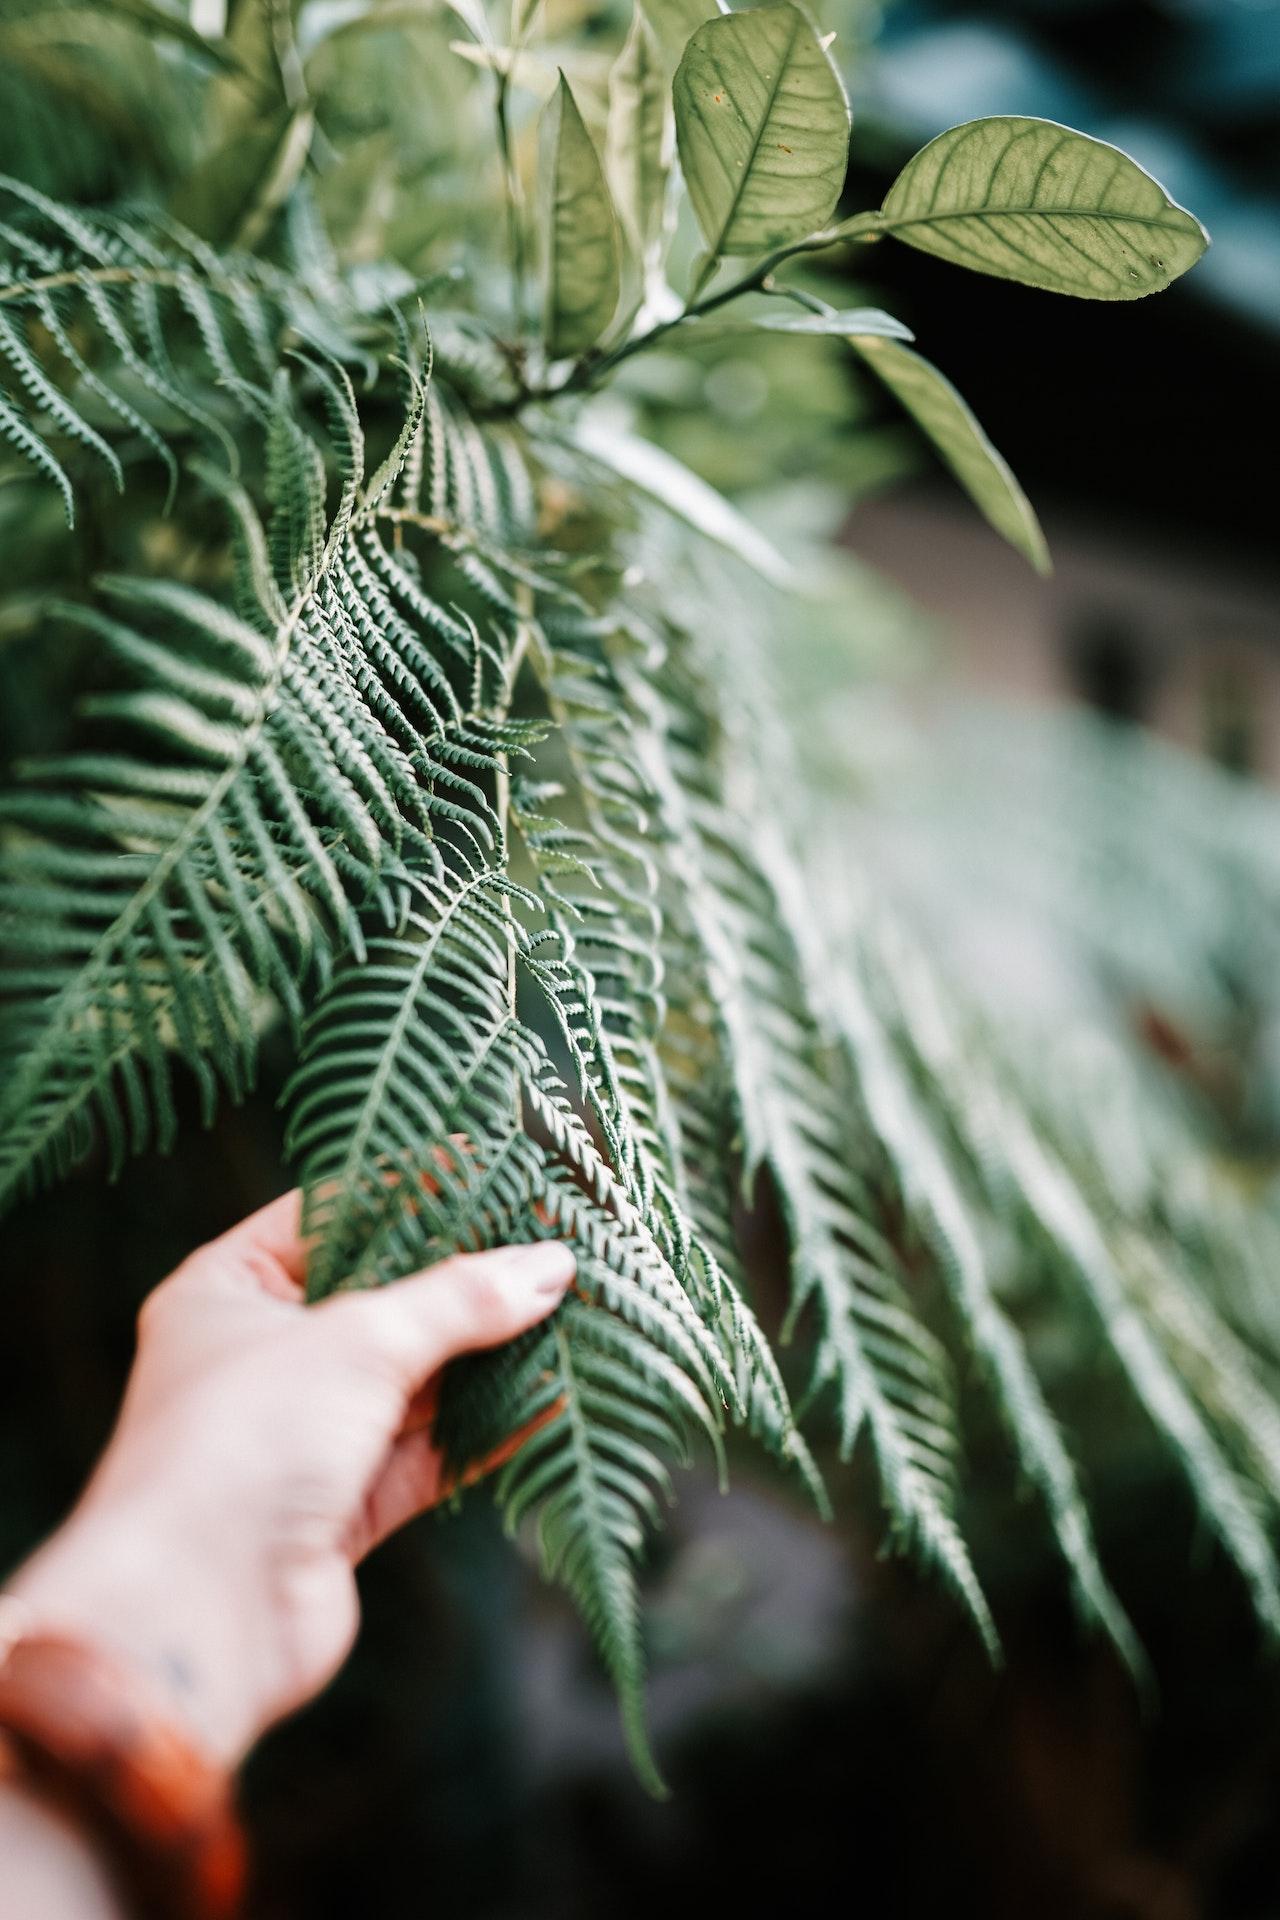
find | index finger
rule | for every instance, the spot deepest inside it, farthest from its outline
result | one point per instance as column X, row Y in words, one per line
column 273, row 1233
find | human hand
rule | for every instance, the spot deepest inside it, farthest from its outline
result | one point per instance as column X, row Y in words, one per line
column 262, row 1449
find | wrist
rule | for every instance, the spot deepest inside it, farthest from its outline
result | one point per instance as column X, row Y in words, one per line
column 129, row 1576
column 47, row 1864
column 89, row 1740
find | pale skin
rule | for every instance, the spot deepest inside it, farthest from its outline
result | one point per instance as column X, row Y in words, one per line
column 263, row 1448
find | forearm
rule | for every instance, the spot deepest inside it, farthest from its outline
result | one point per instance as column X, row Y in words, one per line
column 47, row 1865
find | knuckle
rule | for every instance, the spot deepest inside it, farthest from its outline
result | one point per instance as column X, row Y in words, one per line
column 488, row 1295
column 260, row 1266
column 478, row 1282
column 372, row 1336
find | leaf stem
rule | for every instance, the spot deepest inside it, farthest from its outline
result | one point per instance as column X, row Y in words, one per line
column 592, row 368
column 809, row 301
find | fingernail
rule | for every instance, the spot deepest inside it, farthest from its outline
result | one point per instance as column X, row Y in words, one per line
column 547, row 1265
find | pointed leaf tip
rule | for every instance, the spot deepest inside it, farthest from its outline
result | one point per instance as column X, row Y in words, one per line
column 1032, row 201
column 946, row 418
column 583, row 278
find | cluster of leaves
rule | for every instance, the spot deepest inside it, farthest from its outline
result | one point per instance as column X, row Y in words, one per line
column 457, row 756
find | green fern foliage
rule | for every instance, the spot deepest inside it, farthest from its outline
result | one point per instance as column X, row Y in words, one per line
column 80, row 290
column 458, row 760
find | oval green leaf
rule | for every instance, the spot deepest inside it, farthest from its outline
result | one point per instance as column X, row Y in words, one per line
column 673, row 21
column 637, row 148
column 582, row 269
column 840, row 322
column 1029, row 200
column 763, row 128
column 946, row 418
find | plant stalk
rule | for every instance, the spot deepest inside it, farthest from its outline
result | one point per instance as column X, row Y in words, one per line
column 589, row 370
column 514, row 193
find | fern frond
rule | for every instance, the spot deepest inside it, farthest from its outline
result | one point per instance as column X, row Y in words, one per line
column 1217, row 1366
column 414, row 1049
column 1028, row 1182
column 286, row 779
column 945, row 1217
column 412, row 1046
column 591, row 1473
column 116, row 301
column 185, row 899
column 603, row 982
column 887, row 1372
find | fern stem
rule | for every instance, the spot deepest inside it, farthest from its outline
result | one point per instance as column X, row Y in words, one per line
column 502, row 783
column 107, row 277
column 410, row 517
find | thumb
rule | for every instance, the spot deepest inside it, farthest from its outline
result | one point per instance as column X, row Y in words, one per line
column 472, row 1300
